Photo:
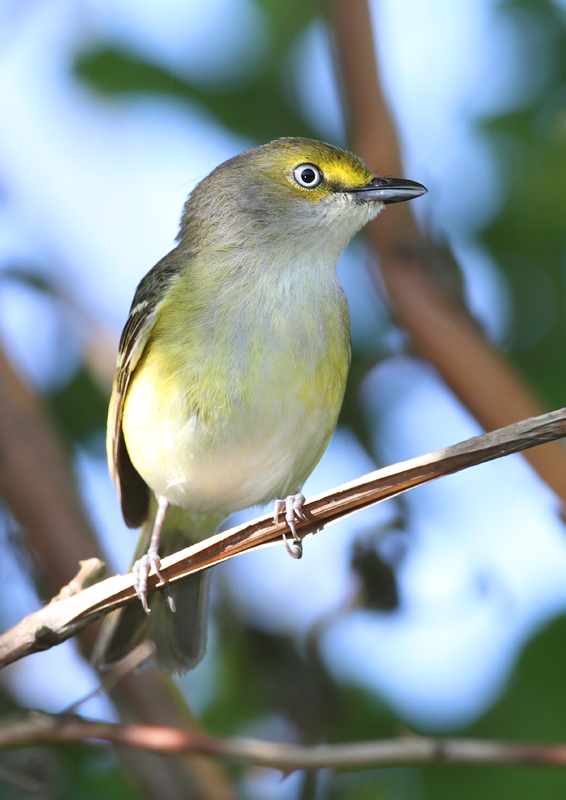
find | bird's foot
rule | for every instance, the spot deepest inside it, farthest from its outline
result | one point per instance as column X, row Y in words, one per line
column 293, row 506
column 143, row 566
column 141, row 572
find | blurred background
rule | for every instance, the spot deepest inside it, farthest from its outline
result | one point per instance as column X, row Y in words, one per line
column 442, row 611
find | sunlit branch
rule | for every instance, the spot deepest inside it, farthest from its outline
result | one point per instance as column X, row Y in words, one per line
column 62, row 618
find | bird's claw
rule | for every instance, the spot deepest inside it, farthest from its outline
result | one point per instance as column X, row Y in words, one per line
column 293, row 505
column 141, row 572
column 295, row 548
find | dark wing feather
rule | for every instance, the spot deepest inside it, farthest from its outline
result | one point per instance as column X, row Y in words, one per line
column 132, row 489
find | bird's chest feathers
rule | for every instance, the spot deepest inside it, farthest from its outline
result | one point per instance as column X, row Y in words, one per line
column 242, row 401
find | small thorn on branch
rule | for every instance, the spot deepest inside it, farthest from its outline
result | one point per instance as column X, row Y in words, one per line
column 91, row 571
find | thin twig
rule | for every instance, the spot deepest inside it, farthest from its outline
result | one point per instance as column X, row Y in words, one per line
column 129, row 664
column 90, row 572
column 63, row 618
column 381, row 752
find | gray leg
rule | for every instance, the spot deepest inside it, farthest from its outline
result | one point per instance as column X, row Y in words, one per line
column 142, row 567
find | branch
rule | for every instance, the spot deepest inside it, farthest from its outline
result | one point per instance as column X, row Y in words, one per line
column 62, row 618
column 382, row 752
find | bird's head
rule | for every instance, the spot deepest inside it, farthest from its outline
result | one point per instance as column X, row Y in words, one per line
column 289, row 191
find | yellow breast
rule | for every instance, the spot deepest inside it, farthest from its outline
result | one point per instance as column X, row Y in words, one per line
column 235, row 399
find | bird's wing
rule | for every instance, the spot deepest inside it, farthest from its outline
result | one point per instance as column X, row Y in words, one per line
column 148, row 300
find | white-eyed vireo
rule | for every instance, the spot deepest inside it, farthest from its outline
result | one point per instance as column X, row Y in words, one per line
column 232, row 366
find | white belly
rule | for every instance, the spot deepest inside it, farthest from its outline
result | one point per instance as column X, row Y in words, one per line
column 255, row 456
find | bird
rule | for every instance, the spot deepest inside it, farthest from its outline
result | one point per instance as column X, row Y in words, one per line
column 232, row 368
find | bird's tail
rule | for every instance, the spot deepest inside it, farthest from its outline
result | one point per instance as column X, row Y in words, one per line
column 180, row 636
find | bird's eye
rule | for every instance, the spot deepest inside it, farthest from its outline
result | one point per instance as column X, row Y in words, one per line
column 307, row 175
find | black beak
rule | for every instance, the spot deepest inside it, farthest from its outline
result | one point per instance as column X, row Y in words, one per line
column 387, row 190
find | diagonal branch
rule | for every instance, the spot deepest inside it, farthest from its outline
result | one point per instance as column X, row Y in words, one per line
column 62, row 618
column 359, row 755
